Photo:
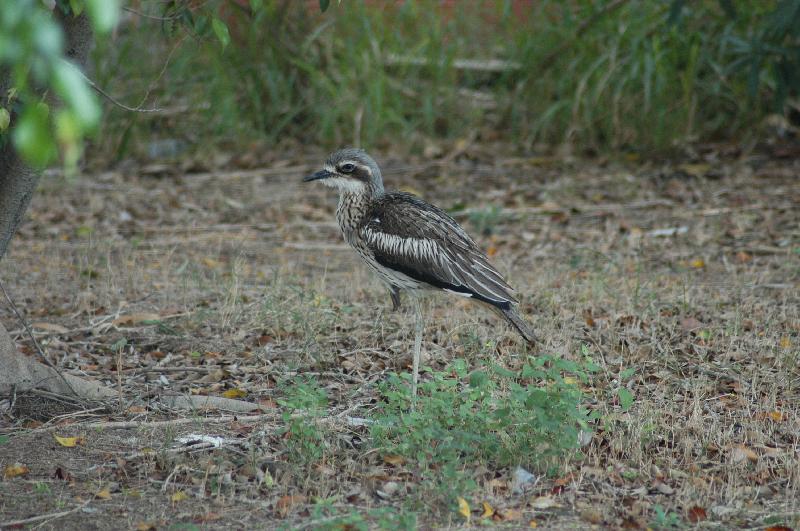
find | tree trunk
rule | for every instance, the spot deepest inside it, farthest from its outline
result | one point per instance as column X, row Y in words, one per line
column 17, row 179
column 17, row 184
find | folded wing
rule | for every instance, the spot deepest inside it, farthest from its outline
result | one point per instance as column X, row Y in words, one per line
column 421, row 241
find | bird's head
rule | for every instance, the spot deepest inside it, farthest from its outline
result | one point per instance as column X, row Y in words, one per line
column 350, row 170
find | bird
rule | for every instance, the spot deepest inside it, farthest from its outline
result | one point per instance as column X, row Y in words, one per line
column 412, row 245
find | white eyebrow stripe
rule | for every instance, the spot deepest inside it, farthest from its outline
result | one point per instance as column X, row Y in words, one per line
column 355, row 163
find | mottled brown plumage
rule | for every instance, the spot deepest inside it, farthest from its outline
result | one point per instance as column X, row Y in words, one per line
column 412, row 244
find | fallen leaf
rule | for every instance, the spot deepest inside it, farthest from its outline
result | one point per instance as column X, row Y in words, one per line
column 507, row 515
column 743, row 257
column 145, row 526
column 394, row 460
column 488, row 510
column 50, row 327
column 491, row 251
column 664, row 489
column 234, row 393
column 772, row 453
column 263, row 339
column 696, row 514
column 104, row 494
column 285, row 504
column 533, row 524
column 544, row 502
column 178, row 496
column 698, row 169
column 778, row 528
column 61, row 474
column 135, row 318
column 68, row 442
column 786, row 342
column 697, row 263
column 690, row 324
column 15, row 470
column 210, row 262
column 741, row 453
column 592, row 516
column 463, row 508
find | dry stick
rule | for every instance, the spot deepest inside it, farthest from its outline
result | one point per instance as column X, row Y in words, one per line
column 127, row 424
column 152, row 84
column 33, row 338
column 116, row 102
column 42, row 517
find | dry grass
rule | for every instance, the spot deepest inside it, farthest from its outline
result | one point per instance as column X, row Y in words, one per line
column 252, row 285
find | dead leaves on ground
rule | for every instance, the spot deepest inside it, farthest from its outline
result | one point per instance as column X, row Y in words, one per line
column 135, row 319
column 287, row 503
column 69, row 442
column 15, row 470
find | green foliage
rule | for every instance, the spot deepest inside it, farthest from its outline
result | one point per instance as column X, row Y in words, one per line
column 303, row 404
column 326, row 516
column 32, row 56
column 665, row 520
column 599, row 75
column 491, row 415
column 486, row 220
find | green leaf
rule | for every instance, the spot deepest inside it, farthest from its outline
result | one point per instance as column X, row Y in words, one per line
column 76, row 6
column 5, row 120
column 120, row 344
column 73, row 89
column 32, row 136
column 256, row 5
column 324, row 4
column 104, row 14
column 4, row 439
column 221, row 31
column 625, row 398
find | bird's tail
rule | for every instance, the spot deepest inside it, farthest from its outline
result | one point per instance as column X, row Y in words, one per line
column 515, row 320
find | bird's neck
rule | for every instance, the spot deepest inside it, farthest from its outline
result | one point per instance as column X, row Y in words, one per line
column 353, row 208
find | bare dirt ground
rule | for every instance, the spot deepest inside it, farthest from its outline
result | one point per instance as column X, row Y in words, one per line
column 157, row 280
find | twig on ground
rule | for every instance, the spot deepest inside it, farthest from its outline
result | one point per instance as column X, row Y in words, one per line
column 42, row 517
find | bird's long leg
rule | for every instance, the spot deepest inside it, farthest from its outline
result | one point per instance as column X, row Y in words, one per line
column 417, row 346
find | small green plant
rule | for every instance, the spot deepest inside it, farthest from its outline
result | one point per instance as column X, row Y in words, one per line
column 665, row 520
column 304, row 402
column 493, row 416
column 486, row 220
column 327, row 517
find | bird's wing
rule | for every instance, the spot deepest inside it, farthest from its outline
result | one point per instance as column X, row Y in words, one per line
column 421, row 241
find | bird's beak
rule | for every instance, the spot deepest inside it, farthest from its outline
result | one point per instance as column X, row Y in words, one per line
column 321, row 174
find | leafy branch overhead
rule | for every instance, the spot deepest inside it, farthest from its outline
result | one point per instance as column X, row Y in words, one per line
column 32, row 50
column 47, row 105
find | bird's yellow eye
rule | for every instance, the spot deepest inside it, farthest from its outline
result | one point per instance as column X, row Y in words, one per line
column 347, row 168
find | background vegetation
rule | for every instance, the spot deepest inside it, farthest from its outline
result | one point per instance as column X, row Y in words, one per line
column 596, row 76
